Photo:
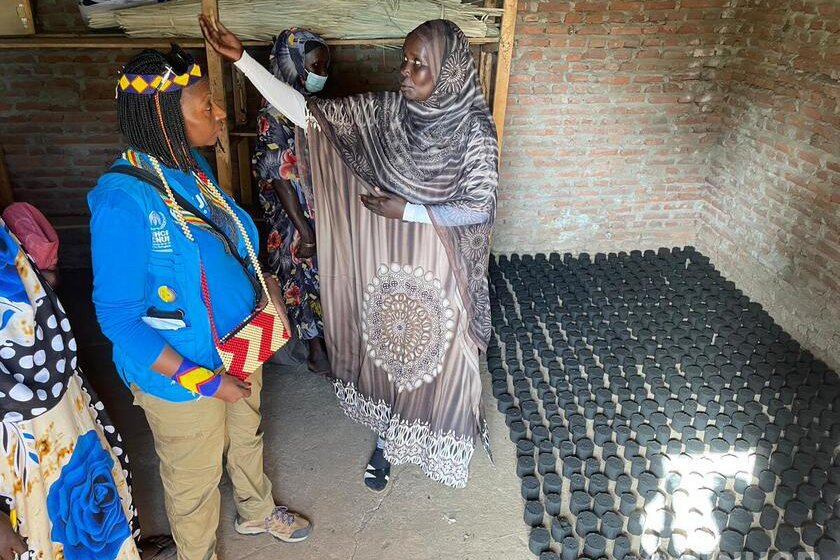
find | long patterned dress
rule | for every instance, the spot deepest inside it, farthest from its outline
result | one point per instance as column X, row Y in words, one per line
column 64, row 476
column 275, row 158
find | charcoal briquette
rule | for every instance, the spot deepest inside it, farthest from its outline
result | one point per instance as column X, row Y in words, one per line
column 740, row 519
column 783, row 495
column 609, row 449
column 587, row 522
column 547, row 463
column 580, row 501
column 786, row 537
column 621, row 547
column 560, row 529
column 525, row 447
column 623, row 484
column 769, row 517
column 584, row 449
column 827, row 547
column 539, row 540
column 553, row 503
column 530, row 488
column 603, row 503
column 811, row 533
column 796, row 513
column 622, row 434
column 570, row 548
column 636, row 523
column 594, row 545
column 525, row 465
column 726, row 500
column 505, row 401
column 757, row 541
column 613, row 468
column 566, row 448
column 534, row 513
column 577, row 482
column 753, row 499
column 571, row 465
column 591, row 466
column 695, row 446
column 546, row 447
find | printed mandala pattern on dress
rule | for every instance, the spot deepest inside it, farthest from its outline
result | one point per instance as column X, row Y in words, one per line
column 408, row 324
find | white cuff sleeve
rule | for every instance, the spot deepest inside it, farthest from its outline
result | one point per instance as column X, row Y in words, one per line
column 416, row 213
column 282, row 96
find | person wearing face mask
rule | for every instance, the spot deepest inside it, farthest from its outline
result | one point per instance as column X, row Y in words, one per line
column 301, row 59
column 405, row 188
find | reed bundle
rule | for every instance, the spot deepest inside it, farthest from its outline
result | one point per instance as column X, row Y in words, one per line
column 261, row 20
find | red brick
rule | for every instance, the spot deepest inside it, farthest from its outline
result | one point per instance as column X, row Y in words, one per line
column 591, row 6
column 629, row 6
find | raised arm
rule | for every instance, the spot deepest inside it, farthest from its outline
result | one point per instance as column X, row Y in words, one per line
column 283, row 97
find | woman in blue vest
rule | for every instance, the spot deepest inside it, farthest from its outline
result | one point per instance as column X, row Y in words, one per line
column 151, row 264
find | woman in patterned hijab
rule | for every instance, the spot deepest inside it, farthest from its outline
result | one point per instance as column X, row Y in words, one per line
column 405, row 187
column 301, row 59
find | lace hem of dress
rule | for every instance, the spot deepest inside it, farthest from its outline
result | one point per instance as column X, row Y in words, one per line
column 442, row 456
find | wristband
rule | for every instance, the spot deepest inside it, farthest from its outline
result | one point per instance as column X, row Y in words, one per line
column 197, row 379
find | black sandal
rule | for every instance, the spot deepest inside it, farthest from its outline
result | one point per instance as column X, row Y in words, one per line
column 377, row 472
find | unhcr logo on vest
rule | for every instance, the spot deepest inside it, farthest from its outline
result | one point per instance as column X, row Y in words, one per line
column 160, row 235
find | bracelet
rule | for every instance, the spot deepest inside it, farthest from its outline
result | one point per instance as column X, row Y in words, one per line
column 197, row 379
column 307, row 244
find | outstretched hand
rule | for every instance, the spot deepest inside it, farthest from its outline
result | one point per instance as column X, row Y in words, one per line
column 385, row 204
column 220, row 38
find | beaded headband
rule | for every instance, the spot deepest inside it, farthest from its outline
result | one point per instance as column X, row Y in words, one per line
column 152, row 83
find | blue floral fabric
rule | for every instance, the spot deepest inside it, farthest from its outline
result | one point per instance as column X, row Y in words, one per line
column 84, row 504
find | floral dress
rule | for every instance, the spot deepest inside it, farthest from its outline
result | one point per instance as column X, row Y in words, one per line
column 274, row 158
column 64, row 478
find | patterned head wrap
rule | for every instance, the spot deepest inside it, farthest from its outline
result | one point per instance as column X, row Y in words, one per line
column 36, row 234
column 288, row 56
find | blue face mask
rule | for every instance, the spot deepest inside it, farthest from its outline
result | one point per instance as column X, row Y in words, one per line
column 314, row 82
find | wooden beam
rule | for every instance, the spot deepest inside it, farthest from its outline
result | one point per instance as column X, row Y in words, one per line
column 503, row 63
column 6, row 197
column 114, row 41
column 240, row 98
column 246, row 185
column 216, row 74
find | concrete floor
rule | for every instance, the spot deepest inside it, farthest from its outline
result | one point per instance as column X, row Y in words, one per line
column 314, row 455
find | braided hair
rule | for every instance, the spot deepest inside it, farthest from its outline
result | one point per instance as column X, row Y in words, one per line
column 154, row 124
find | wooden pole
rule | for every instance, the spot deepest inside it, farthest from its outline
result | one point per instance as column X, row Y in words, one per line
column 216, row 74
column 243, row 153
column 6, row 197
column 246, row 186
column 503, row 63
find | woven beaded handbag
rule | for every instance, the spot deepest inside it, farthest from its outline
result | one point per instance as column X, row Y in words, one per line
column 262, row 332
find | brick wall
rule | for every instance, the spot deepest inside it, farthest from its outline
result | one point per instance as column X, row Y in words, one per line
column 772, row 213
column 611, row 113
column 58, row 127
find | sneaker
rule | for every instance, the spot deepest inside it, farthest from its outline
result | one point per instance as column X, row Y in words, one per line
column 283, row 524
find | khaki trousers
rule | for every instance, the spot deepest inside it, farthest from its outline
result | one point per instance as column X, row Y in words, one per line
column 191, row 439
